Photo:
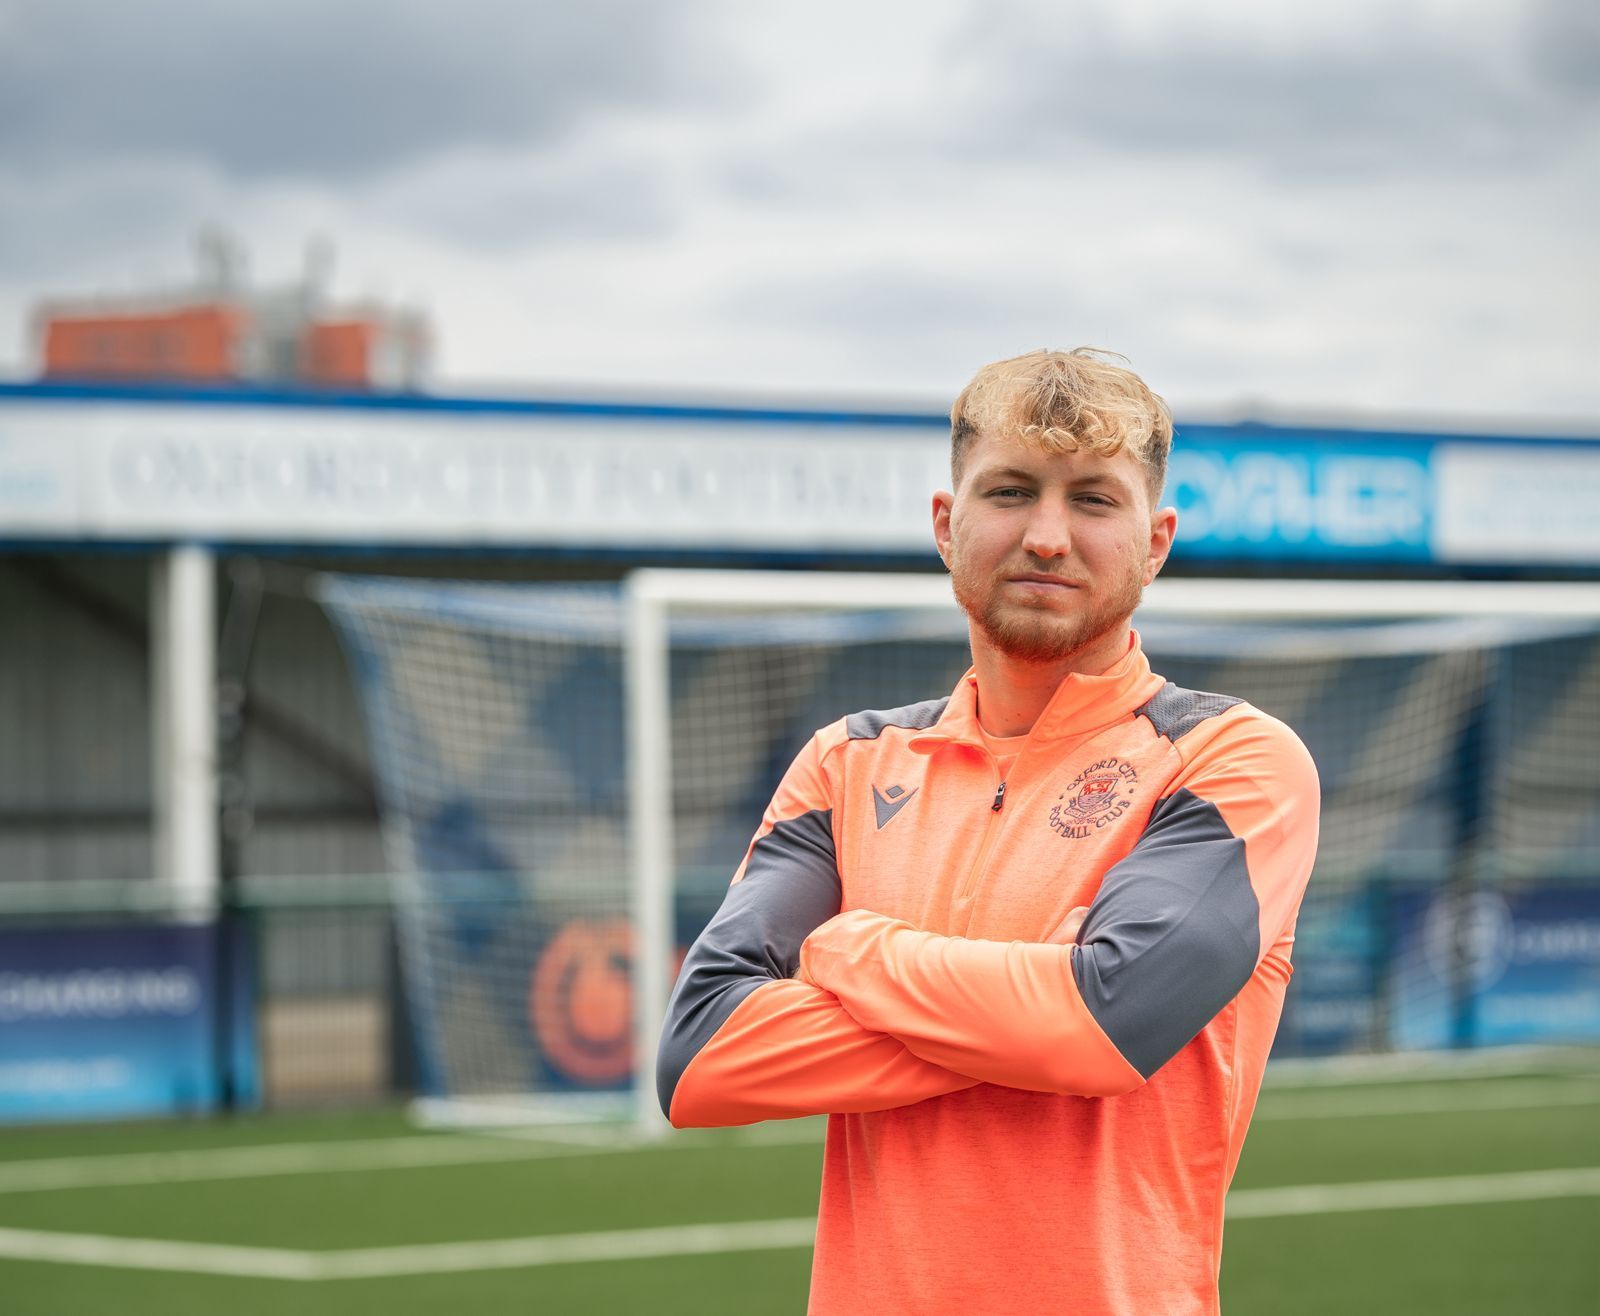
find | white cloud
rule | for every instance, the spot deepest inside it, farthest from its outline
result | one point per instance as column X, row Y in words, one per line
column 1377, row 208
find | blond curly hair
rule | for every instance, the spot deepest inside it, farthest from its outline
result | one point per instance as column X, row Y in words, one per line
column 1065, row 401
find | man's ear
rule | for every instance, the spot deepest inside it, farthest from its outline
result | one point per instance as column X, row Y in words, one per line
column 943, row 502
column 1163, row 526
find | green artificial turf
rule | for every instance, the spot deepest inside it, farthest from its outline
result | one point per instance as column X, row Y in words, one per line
column 1539, row 1256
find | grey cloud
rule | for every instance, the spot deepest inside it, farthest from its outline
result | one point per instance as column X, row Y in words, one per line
column 1406, row 100
column 61, row 227
column 934, row 327
column 495, row 205
column 1566, row 45
column 1060, row 305
column 329, row 90
column 914, row 306
column 1060, row 90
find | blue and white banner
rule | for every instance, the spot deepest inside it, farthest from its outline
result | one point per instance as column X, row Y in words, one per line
column 86, row 465
column 1380, row 967
column 1521, row 966
column 119, row 1022
column 1347, row 496
column 1276, row 496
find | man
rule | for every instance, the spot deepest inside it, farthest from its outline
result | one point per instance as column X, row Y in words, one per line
column 1026, row 945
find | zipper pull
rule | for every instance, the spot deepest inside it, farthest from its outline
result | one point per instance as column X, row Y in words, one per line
column 999, row 799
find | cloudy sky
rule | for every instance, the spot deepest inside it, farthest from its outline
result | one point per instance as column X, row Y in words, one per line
column 1377, row 206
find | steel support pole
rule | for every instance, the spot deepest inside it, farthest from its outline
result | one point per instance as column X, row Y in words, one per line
column 184, row 727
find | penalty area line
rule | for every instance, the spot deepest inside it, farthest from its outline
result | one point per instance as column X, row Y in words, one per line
column 711, row 1239
column 422, row 1152
column 1390, row 1194
column 438, row 1151
column 389, row 1262
column 1498, row 1094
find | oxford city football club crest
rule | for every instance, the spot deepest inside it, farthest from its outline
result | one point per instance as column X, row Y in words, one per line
column 1096, row 797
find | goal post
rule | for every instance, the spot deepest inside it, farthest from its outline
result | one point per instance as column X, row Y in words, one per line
column 650, row 595
column 649, row 728
column 569, row 776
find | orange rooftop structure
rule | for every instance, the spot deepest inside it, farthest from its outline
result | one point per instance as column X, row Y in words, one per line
column 220, row 331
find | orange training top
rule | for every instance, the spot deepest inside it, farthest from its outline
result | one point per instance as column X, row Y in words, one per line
column 1019, row 1124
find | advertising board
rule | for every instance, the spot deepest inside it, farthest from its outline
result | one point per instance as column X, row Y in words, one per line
column 120, row 1022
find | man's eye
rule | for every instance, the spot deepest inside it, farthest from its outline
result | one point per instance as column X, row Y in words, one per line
column 1008, row 493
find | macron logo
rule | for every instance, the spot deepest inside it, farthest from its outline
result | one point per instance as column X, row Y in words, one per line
column 888, row 803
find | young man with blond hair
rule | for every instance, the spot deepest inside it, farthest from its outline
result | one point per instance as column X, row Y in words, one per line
column 1026, row 944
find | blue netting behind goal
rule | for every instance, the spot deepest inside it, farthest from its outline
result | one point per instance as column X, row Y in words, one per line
column 1461, row 814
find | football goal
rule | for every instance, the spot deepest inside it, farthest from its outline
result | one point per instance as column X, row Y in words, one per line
column 569, row 775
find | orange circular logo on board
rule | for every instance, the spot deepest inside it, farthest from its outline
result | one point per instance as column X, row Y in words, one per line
column 580, row 1001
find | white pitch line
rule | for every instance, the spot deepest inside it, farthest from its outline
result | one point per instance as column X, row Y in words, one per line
column 137, row 1169
column 560, row 1249
column 142, row 1168
column 1432, row 1066
column 157, row 1254
column 1388, row 1194
column 1502, row 1095
column 708, row 1239
column 386, row 1262
column 805, row 1128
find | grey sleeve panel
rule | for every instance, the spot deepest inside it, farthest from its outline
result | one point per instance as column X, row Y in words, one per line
column 790, row 886
column 1172, row 936
column 1175, row 712
column 916, row 717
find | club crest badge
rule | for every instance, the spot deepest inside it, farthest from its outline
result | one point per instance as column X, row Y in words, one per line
column 1095, row 798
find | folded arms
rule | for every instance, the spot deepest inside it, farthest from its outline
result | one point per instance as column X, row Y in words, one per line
column 786, row 1007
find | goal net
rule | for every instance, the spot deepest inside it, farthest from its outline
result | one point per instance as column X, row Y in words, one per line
column 570, row 774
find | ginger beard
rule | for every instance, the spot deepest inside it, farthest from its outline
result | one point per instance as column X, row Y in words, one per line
column 1034, row 631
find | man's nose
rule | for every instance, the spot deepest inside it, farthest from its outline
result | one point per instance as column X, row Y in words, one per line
column 1048, row 533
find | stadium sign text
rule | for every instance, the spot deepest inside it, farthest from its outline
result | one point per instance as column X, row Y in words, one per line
column 460, row 474
column 1330, row 501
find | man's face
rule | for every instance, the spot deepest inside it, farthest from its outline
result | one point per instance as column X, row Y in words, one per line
column 1049, row 552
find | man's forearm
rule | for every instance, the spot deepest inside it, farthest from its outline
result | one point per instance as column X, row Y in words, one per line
column 998, row 1012
column 1174, row 932
column 743, row 1040
column 790, row 1049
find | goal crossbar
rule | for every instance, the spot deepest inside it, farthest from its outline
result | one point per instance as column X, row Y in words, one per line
column 651, row 594
column 1208, row 598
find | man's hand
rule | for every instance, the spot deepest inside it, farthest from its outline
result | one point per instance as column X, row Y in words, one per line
column 1067, row 933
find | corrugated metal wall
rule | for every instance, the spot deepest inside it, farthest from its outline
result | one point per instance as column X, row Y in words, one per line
column 75, row 797
column 305, row 751
column 75, row 777
column 74, row 718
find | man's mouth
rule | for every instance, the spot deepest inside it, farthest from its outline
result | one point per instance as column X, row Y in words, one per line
column 1044, row 579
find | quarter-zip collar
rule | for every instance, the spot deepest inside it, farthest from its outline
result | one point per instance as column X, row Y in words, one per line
column 1080, row 705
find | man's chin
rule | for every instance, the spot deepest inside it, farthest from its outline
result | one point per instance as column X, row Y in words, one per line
column 1042, row 628
column 1047, row 635
column 1036, row 639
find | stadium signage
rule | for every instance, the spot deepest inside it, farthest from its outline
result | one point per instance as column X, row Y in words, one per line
column 1239, row 499
column 464, row 474
column 118, row 1022
column 1528, row 959
column 297, row 477
column 106, row 994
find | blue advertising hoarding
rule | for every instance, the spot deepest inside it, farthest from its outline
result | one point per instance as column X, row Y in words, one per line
column 121, row 1022
column 1409, row 968
column 1335, row 1001
column 1529, row 960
